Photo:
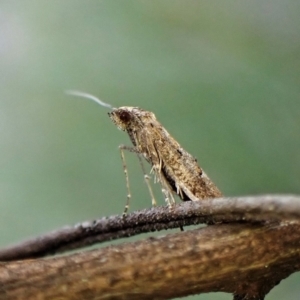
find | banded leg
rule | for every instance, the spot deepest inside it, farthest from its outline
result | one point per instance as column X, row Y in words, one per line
column 147, row 180
column 146, row 177
column 127, row 181
column 166, row 189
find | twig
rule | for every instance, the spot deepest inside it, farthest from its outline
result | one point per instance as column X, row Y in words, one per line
column 223, row 210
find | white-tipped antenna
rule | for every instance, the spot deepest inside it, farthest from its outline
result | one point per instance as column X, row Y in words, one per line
column 88, row 96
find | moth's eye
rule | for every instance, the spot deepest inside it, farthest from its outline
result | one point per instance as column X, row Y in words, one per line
column 124, row 116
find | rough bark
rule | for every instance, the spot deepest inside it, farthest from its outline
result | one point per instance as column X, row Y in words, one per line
column 245, row 259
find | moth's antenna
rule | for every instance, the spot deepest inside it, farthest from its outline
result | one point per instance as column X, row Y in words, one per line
column 88, row 96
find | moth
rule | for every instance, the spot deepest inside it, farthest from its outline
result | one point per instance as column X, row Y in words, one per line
column 174, row 168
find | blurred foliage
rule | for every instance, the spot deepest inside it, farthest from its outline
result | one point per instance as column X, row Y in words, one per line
column 221, row 76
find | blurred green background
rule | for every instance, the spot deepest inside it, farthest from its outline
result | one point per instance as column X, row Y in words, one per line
column 222, row 77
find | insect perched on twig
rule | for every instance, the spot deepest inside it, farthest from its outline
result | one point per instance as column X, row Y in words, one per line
column 174, row 168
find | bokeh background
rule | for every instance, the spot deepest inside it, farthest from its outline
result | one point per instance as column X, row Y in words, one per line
column 222, row 76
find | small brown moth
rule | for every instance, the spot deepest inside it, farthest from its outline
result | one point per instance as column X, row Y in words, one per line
column 177, row 171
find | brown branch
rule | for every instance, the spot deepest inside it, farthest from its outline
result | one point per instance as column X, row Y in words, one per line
column 223, row 210
column 246, row 259
column 243, row 259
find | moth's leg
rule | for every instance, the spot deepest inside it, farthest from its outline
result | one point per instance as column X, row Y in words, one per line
column 147, row 180
column 146, row 177
column 122, row 148
column 166, row 189
column 169, row 198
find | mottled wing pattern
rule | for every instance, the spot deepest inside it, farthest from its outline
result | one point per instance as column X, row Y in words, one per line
column 177, row 166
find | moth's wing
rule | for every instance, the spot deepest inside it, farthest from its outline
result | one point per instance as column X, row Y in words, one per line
column 146, row 146
column 150, row 141
column 182, row 171
column 167, row 159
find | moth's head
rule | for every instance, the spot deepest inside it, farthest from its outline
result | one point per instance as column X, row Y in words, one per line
column 123, row 117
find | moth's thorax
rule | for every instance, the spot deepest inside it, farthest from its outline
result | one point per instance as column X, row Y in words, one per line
column 130, row 118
